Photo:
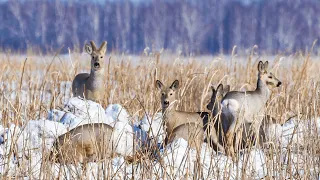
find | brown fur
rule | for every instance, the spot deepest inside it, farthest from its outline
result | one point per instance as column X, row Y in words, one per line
column 179, row 124
column 85, row 143
column 189, row 130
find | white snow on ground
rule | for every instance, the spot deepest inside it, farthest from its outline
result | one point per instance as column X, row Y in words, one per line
column 2, row 133
column 37, row 136
column 153, row 126
column 292, row 131
column 27, row 94
column 117, row 113
column 29, row 141
column 119, row 119
column 273, row 132
column 141, row 137
column 7, row 164
column 180, row 161
column 298, row 131
column 85, row 111
column 179, row 157
column 37, row 133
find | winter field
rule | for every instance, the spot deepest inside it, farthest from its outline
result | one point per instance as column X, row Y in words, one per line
column 36, row 106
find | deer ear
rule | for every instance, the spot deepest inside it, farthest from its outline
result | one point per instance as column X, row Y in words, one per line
column 88, row 49
column 103, row 47
column 220, row 88
column 212, row 88
column 226, row 90
column 260, row 66
column 175, row 85
column 214, row 92
column 265, row 65
column 219, row 94
column 93, row 45
column 159, row 84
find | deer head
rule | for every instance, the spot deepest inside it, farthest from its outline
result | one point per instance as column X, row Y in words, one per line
column 97, row 55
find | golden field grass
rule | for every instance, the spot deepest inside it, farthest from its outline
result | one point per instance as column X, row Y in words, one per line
column 129, row 81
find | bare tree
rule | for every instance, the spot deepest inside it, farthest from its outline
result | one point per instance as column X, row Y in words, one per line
column 156, row 25
column 194, row 27
column 191, row 26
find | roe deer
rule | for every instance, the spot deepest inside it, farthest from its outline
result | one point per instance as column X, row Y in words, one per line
column 247, row 107
column 213, row 125
column 217, row 133
column 179, row 124
column 91, row 86
column 85, row 143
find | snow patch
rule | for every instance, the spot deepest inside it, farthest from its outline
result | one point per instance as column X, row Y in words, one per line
column 84, row 111
column 153, row 126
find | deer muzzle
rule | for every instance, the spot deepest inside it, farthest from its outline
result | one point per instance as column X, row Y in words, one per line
column 96, row 65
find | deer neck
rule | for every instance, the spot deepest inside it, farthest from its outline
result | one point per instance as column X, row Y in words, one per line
column 171, row 118
column 169, row 112
column 97, row 74
column 263, row 90
column 216, row 108
column 96, row 77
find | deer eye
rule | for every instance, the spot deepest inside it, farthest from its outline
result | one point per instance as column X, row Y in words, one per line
column 270, row 77
column 170, row 94
column 101, row 57
column 162, row 94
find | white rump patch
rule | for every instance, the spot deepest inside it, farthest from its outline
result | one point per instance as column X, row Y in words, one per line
column 230, row 105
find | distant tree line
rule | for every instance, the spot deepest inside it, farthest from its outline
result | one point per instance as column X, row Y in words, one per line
column 189, row 26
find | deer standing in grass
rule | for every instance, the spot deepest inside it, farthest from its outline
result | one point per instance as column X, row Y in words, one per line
column 247, row 107
column 213, row 124
column 215, row 127
column 91, row 86
column 179, row 124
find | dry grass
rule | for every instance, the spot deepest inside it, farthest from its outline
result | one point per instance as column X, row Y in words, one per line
column 26, row 86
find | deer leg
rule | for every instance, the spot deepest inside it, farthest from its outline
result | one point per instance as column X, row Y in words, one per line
column 220, row 134
column 229, row 140
column 84, row 169
column 213, row 136
column 220, row 147
column 238, row 138
column 233, row 135
column 199, row 147
column 214, row 142
column 256, row 133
